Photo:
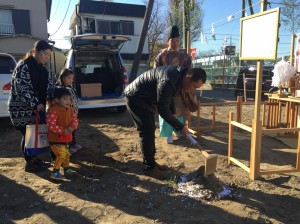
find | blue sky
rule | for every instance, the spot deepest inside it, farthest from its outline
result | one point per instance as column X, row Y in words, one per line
column 216, row 12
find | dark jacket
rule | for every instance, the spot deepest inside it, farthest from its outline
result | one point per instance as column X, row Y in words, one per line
column 158, row 87
column 31, row 82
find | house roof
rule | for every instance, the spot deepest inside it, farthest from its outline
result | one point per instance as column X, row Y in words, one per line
column 48, row 8
column 111, row 8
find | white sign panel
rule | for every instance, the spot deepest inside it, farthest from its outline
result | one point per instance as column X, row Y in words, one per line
column 259, row 36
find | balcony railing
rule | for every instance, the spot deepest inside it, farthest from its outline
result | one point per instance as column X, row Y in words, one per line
column 7, row 29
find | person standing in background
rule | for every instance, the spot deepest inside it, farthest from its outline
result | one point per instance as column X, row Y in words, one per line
column 173, row 56
column 30, row 85
column 66, row 80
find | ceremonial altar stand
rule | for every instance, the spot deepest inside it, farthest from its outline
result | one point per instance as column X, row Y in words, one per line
column 278, row 106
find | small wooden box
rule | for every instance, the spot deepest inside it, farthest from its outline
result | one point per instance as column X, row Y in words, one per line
column 297, row 93
column 91, row 90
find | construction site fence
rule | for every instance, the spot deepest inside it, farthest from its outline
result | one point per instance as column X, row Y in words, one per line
column 220, row 75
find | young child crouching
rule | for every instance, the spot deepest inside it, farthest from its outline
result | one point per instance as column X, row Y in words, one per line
column 61, row 121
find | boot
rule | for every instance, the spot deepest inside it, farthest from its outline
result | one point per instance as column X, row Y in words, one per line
column 155, row 173
column 161, row 167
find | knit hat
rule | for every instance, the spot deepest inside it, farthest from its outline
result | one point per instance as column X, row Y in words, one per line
column 174, row 32
column 42, row 45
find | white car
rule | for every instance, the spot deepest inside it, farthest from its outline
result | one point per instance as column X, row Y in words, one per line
column 7, row 65
column 100, row 75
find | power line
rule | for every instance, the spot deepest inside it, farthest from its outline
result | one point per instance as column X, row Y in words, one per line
column 53, row 15
column 62, row 20
column 226, row 18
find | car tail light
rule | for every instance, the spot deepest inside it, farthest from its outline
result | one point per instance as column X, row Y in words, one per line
column 7, row 86
column 125, row 76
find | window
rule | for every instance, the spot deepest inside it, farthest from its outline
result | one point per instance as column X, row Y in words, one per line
column 103, row 27
column 89, row 25
column 21, row 21
column 6, row 23
column 115, row 27
column 127, row 27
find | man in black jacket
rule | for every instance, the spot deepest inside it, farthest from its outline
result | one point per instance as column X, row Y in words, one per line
column 152, row 91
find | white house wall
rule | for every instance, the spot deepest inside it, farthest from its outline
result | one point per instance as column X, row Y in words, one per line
column 38, row 14
column 17, row 46
column 130, row 46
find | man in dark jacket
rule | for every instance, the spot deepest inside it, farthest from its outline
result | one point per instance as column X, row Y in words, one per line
column 155, row 90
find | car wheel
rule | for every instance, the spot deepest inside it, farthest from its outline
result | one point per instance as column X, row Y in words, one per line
column 121, row 109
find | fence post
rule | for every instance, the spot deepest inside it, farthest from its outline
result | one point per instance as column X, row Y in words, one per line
column 245, row 92
column 239, row 109
column 198, row 120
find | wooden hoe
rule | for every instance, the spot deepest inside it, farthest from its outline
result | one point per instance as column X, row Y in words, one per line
column 210, row 160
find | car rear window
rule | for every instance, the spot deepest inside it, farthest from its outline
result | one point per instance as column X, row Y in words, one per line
column 93, row 59
column 251, row 72
column 7, row 65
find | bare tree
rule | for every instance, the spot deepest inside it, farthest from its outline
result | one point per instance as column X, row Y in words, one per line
column 156, row 29
column 290, row 12
column 194, row 16
column 160, row 21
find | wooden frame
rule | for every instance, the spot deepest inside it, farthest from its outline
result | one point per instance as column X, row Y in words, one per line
column 254, row 169
column 196, row 130
column 270, row 124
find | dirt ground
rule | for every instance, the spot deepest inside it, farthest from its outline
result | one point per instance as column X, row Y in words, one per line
column 111, row 188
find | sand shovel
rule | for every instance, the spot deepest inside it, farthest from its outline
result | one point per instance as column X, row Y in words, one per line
column 210, row 160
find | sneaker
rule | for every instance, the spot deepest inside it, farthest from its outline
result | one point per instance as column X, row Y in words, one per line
column 77, row 146
column 155, row 173
column 57, row 176
column 70, row 173
column 72, row 149
column 170, row 140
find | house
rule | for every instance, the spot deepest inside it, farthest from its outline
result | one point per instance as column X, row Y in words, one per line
column 115, row 19
column 22, row 23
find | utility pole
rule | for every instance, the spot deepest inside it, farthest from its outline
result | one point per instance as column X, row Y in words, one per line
column 243, row 15
column 138, row 54
column 243, row 9
column 188, row 27
column 184, row 25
